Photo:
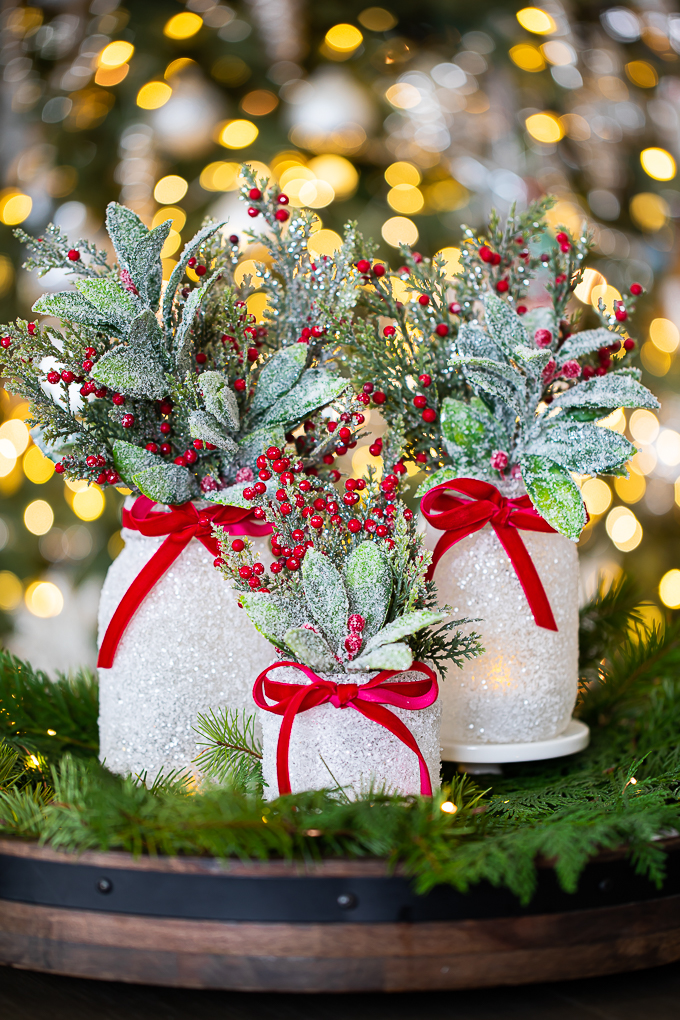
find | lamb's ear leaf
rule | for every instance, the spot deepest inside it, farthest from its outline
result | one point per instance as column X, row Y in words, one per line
column 128, row 459
column 183, row 340
column 555, row 495
column 310, row 648
column 145, row 332
column 178, row 272
column 325, row 595
column 110, row 299
column 616, row 389
column 147, row 269
column 315, row 388
column 504, row 324
column 582, row 447
column 409, row 623
column 368, row 580
column 278, row 376
column 444, row 474
column 252, row 444
column 203, row 425
column 166, row 483
column 220, row 399
column 395, row 656
column 588, row 340
column 132, row 371
column 271, row 614
column 126, row 230
column 70, row 306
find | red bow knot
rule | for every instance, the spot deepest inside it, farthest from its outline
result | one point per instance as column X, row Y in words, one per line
column 368, row 699
column 458, row 518
column 180, row 524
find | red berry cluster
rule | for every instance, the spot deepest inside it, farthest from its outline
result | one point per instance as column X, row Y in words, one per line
column 255, row 195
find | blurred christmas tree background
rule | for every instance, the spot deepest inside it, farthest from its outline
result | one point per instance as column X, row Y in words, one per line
column 411, row 119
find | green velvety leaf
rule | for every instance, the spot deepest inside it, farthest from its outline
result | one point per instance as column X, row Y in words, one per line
column 166, row 483
column 397, row 656
column 219, row 399
column 69, row 306
column 128, row 459
column 542, row 317
column 203, row 425
column 534, row 359
column 126, row 230
column 444, row 474
column 177, row 274
column 146, row 267
column 325, row 596
column 271, row 615
column 278, row 376
column 131, row 371
column 409, row 623
column 183, row 337
column 504, row 324
column 368, row 580
column 310, row 648
column 587, row 449
column 501, row 381
column 315, row 388
column 252, row 444
column 146, row 334
column 110, row 299
column 617, row 389
column 473, row 341
column 585, row 342
column 555, row 495
column 470, row 433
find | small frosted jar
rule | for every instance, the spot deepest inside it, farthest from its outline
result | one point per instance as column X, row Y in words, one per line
column 338, row 747
column 188, row 648
column 523, row 687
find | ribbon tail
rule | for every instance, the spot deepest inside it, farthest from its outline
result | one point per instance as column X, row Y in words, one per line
column 381, row 715
column 150, row 574
column 527, row 575
column 283, row 746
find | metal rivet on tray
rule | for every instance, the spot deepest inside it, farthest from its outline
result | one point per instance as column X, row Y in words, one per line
column 606, row 885
column 105, row 885
column 347, row 901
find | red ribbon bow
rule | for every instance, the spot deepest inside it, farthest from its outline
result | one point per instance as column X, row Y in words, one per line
column 367, row 699
column 461, row 517
column 180, row 524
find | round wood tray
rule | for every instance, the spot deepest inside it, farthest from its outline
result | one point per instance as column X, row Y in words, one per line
column 331, row 926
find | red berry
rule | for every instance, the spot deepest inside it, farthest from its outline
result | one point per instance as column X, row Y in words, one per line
column 68, row 377
column 381, row 531
column 190, row 456
column 543, row 338
column 565, row 247
column 408, row 515
column 201, row 358
column 90, row 352
column 87, row 388
column 502, row 286
column 521, row 309
column 255, row 194
column 180, row 461
column 442, row 329
column 354, row 525
column 273, row 453
column 192, row 262
column 275, row 567
column 561, row 238
column 31, row 328
column 588, row 371
column 368, row 387
column 238, row 545
column 52, row 377
column 345, row 434
column 165, row 427
column 379, row 397
column 258, row 569
column 201, row 270
column 59, row 468
column 218, row 562
column 6, row 342
column 485, row 253
column 455, row 308
column 253, row 354
column 425, row 380
column 245, row 572
column 286, row 509
column 166, row 449
column 292, row 563
column 601, row 370
column 421, row 458
column 363, row 265
column 240, row 385
column 378, row 269
column 253, row 212
column 281, row 215
column 151, row 447
column 119, row 400
column 350, row 498
column 305, row 485
column 420, row 401
column 429, row 415
column 423, row 300
column 87, row 364
column 353, row 643
column 636, row 289
column 283, row 199
column 620, row 314
column 389, row 331
column 248, row 493
column 316, row 521
column 112, row 477
column 629, row 344
column 495, row 259
column 74, row 255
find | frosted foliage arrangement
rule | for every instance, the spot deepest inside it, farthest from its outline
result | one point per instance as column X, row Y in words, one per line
column 333, row 747
column 167, row 669
column 523, row 688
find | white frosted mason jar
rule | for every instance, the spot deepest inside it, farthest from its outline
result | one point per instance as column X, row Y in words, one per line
column 523, row 688
column 187, row 649
column 338, row 747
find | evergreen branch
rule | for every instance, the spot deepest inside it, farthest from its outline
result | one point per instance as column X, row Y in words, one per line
column 232, row 753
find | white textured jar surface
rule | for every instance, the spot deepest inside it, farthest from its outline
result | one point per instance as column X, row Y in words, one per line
column 187, row 649
column 332, row 747
column 524, row 686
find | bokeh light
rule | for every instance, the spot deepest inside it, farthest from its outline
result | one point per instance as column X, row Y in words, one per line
column 115, row 54
column 536, row 20
column 399, row 230
column 452, row 264
column 237, row 134
column 658, row 163
column 623, row 528
column 15, row 206
column 38, row 517
column 669, row 589
column 37, row 468
column 153, row 95
column 44, row 599
column 597, row 496
column 665, row 335
column 183, row 26
column 88, row 504
column 11, row 590
column 324, row 242
column 170, row 189
column 528, row 57
column 344, row 38
column 545, row 127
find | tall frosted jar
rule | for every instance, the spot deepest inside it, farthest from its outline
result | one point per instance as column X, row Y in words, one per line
column 523, row 688
column 188, row 648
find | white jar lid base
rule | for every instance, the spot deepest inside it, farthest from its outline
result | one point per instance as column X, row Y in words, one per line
column 574, row 738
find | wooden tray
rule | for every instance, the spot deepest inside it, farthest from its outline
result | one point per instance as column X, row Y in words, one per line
column 331, row 926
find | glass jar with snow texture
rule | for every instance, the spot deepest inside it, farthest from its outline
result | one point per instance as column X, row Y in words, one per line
column 523, row 687
column 188, row 648
column 333, row 748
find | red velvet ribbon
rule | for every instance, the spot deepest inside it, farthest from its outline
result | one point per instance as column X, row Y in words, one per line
column 367, row 699
column 181, row 524
column 458, row 518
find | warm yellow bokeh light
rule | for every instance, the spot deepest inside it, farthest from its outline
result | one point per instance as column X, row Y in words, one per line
column 8, row 458
column 247, row 268
column 183, row 26
column 403, row 96
column 324, row 242
column 665, row 335
column 220, row 176
column 656, row 362
column 11, row 590
column 631, row 489
column 452, row 265
column 557, row 52
column 404, row 198
column 88, row 504
column 649, row 211
column 399, row 230
column 16, row 431
column 616, row 421
column 176, row 215
column 38, row 517
column 15, row 207
column 402, row 173
column 545, row 127
column 643, row 426
column 642, row 74
column 669, row 589
column 668, row 447
column 536, row 20
column 344, row 38
column 591, row 279
column 176, row 66
column 237, row 134
column 363, row 458
column 658, row 164
column 337, row 171
column 607, row 293
column 37, row 468
column 115, row 54
column 170, row 189
column 172, row 243
column 109, row 76
column 256, row 305
column 44, row 599
column 597, row 496
column 153, row 95
column 315, row 194
column 168, row 268
column 527, row 57
column 623, row 528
